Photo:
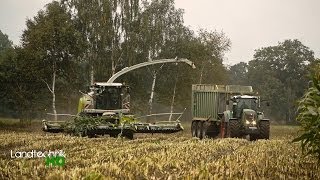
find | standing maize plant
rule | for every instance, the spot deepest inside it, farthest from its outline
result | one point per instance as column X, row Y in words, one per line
column 309, row 117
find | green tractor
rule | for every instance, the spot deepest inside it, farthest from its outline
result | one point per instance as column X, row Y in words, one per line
column 244, row 118
column 227, row 111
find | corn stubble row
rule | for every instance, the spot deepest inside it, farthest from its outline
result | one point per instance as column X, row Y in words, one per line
column 156, row 157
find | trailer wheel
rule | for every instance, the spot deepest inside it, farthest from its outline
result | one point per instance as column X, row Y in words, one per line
column 199, row 130
column 234, row 128
column 264, row 129
column 204, row 130
column 194, row 128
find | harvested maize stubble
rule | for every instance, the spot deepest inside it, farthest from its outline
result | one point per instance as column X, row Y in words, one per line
column 157, row 157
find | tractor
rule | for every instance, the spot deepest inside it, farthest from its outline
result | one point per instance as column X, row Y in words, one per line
column 227, row 111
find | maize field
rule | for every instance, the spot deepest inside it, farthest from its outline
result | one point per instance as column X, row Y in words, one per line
column 174, row 156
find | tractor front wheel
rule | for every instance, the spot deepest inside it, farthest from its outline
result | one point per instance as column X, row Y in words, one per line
column 264, row 129
column 234, row 129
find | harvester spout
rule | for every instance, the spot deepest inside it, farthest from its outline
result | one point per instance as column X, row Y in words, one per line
column 161, row 61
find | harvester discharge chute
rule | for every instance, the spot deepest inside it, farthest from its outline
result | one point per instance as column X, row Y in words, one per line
column 106, row 110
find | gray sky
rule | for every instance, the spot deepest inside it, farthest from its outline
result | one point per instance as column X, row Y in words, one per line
column 250, row 24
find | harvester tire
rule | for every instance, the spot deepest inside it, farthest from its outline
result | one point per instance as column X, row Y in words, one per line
column 234, row 129
column 199, row 130
column 114, row 135
column 194, row 128
column 264, row 129
column 128, row 135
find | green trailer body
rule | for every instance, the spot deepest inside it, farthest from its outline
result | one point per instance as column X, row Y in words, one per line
column 208, row 100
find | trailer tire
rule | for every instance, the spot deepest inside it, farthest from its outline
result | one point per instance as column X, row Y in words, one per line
column 194, row 128
column 264, row 129
column 234, row 129
column 199, row 130
column 204, row 130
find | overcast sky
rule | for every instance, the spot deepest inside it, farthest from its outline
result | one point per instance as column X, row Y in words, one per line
column 250, row 24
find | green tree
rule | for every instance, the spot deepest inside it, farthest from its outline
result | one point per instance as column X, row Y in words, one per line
column 239, row 74
column 5, row 43
column 51, row 36
column 283, row 67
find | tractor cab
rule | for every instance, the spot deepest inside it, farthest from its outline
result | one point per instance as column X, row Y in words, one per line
column 242, row 102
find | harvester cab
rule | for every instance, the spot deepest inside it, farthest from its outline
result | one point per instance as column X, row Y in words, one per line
column 105, row 97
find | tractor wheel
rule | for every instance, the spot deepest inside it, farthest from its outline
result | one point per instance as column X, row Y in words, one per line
column 204, row 130
column 199, row 130
column 194, row 128
column 264, row 129
column 234, row 129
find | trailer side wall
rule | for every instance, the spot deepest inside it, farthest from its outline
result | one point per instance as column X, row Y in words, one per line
column 208, row 100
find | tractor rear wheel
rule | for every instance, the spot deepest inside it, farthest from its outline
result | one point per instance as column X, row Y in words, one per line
column 194, row 128
column 234, row 128
column 199, row 129
column 264, row 129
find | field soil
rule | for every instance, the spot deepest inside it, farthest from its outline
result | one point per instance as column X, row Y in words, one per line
column 173, row 156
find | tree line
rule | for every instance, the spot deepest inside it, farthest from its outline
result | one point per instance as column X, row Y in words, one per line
column 280, row 74
column 68, row 45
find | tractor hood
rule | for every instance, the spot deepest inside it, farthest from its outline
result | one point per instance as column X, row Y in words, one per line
column 249, row 111
column 249, row 114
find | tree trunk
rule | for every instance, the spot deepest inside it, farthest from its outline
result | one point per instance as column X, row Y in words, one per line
column 53, row 93
column 173, row 97
column 152, row 91
column 201, row 73
column 91, row 75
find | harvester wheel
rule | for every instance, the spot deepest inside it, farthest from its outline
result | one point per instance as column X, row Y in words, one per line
column 264, row 129
column 114, row 135
column 234, row 128
column 194, row 128
column 199, row 130
column 128, row 135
